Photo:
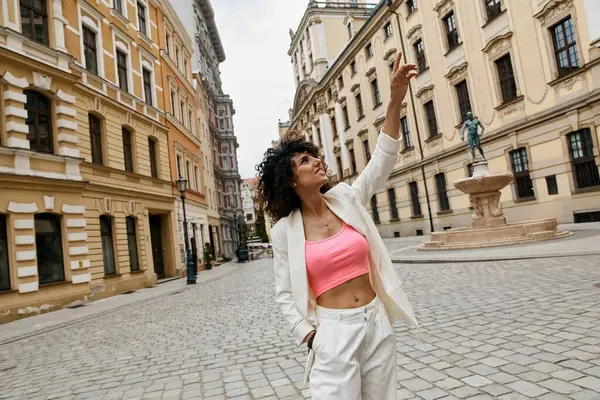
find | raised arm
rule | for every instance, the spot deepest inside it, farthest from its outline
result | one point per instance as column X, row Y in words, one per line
column 385, row 155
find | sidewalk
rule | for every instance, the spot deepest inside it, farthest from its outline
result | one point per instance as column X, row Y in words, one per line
column 35, row 325
column 584, row 241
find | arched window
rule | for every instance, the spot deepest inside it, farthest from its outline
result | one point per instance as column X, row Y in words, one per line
column 34, row 21
column 39, row 122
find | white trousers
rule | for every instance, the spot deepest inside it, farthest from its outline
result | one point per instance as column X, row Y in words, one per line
column 354, row 354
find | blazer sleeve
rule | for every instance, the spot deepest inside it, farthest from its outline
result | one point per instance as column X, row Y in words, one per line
column 378, row 169
column 299, row 325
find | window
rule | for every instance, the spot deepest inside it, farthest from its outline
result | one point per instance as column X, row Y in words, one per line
column 406, row 133
column 196, row 179
column 451, row 30
column 249, row 217
column 152, row 143
column 221, row 119
column 376, row 93
column 340, row 82
column 353, row 68
column 346, row 117
column 89, row 50
column 48, row 244
column 34, row 21
column 4, row 268
column 95, row 139
column 38, row 122
column 419, row 232
column 179, row 171
column 520, row 166
column 392, row 199
column 565, row 46
column 374, row 209
column 173, row 103
column 132, row 244
column 367, row 150
column 349, row 26
column 177, row 56
column 369, row 50
column 414, row 199
column 334, row 127
column 508, row 86
column 470, row 170
column 118, row 6
column 142, row 18
column 122, row 70
column 552, row 185
column 338, row 161
column 190, row 120
column 127, row 150
column 185, row 68
column 188, row 170
column 168, row 43
column 318, row 136
column 329, row 94
column 359, row 106
column 493, row 8
column 352, row 161
column 585, row 170
column 420, row 54
column 464, row 101
column 182, row 111
column 411, row 5
column 440, row 182
column 387, row 30
column 431, row 119
column 108, row 251
column 147, row 75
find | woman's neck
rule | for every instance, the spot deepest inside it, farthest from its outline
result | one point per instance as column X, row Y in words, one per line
column 313, row 204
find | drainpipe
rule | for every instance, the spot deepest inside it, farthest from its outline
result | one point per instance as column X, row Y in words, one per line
column 414, row 111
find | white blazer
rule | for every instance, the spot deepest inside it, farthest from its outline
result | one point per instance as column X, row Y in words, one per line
column 293, row 293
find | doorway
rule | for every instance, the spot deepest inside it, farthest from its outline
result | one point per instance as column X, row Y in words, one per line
column 157, row 247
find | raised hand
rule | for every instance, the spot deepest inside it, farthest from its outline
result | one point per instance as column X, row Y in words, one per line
column 400, row 79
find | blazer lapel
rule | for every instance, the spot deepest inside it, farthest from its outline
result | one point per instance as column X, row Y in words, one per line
column 297, row 261
column 344, row 210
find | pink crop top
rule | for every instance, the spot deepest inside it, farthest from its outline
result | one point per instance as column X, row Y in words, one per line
column 337, row 259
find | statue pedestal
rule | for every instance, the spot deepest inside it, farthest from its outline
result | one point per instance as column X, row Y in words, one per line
column 488, row 224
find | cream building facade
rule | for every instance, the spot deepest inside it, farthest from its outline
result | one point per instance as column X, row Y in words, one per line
column 529, row 70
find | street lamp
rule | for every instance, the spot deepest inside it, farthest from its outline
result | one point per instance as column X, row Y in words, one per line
column 191, row 271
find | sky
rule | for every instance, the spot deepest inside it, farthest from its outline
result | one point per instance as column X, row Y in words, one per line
column 257, row 73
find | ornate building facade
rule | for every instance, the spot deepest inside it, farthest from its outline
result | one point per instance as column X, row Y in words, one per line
column 198, row 17
column 529, row 70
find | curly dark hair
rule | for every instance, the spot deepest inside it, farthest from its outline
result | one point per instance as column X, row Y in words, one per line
column 276, row 172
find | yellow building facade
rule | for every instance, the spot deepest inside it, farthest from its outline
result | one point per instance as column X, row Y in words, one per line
column 528, row 70
column 86, row 199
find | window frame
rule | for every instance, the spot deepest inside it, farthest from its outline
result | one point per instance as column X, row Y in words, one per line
column 374, row 210
column 32, row 11
column 556, row 50
column 442, row 191
column 43, row 262
column 406, row 138
column 106, row 258
column 366, row 150
column 128, row 156
column 353, row 69
column 431, row 118
column 419, row 49
column 96, row 139
column 338, row 161
column 506, row 78
column 90, row 49
column 352, row 161
column 369, row 50
column 450, row 23
column 388, row 30
column 5, row 258
column 122, row 69
column 463, row 99
column 118, row 9
column 524, row 186
column 414, row 199
column 411, row 6
column 346, row 117
column 132, row 243
column 393, row 205
column 360, row 111
column 37, row 111
column 147, row 86
column 142, row 18
column 153, row 154
column 376, row 93
column 492, row 11
column 586, row 160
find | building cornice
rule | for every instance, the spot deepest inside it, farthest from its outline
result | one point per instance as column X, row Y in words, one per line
column 209, row 15
column 175, row 22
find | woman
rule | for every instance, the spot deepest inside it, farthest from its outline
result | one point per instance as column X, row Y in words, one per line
column 334, row 279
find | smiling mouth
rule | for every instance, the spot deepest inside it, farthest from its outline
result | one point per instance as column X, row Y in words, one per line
column 319, row 170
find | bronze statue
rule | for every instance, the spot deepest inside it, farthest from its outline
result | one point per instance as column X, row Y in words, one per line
column 472, row 126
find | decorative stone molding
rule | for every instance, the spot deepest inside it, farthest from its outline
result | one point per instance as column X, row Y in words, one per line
column 107, row 205
column 355, row 88
column 349, row 143
column 314, row 20
column 28, row 255
column 362, row 133
column 553, row 10
column 22, row 224
column 443, row 7
column 73, row 209
column 67, row 98
column 14, row 81
column 457, row 74
column 336, row 150
column 81, row 278
column 425, row 94
column 498, row 44
column 49, row 202
column 379, row 120
column 23, row 272
column 28, row 287
column 79, row 264
column 76, row 223
column 22, row 208
column 78, row 250
column 567, row 84
column 77, row 236
column 41, row 81
column 24, row 239
column 389, row 53
column 372, row 71
column 413, row 31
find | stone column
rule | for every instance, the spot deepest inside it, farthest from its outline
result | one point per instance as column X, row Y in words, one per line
column 339, row 120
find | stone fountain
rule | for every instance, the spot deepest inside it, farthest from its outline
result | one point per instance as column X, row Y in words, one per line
column 488, row 223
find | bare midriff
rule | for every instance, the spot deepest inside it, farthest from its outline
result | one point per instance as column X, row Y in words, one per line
column 344, row 296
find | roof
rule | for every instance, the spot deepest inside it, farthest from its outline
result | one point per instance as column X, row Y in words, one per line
column 209, row 15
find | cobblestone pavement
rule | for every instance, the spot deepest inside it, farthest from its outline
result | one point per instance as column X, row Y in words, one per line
column 504, row 330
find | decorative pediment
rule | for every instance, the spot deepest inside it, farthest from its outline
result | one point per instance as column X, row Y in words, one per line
column 458, row 73
column 371, row 71
column 498, row 44
column 314, row 20
column 349, row 143
column 304, row 93
column 342, row 100
column 379, row 121
column 331, row 112
column 336, row 150
column 414, row 31
column 425, row 93
column 443, row 6
column 389, row 53
column 553, row 10
column 355, row 87
column 362, row 133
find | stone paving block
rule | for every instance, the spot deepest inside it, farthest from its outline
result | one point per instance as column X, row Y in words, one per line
column 432, row 394
column 416, row 384
column 465, row 392
column 477, row 381
column 588, row 382
column 527, row 388
column 495, row 389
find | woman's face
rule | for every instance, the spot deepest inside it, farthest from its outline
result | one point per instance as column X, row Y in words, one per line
column 309, row 172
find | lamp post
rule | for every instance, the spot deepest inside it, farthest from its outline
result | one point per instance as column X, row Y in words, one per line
column 191, row 271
